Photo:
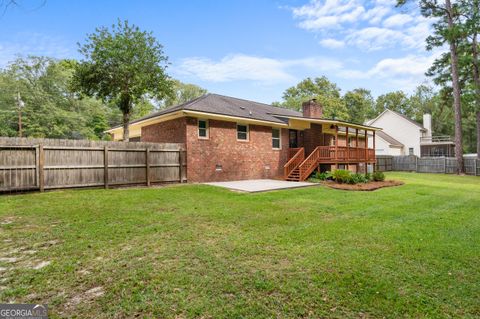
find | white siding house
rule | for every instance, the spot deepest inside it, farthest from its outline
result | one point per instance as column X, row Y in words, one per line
column 401, row 135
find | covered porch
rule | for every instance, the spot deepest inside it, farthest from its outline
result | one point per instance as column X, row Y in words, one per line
column 337, row 144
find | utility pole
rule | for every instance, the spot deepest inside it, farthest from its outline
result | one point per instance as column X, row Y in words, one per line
column 20, row 105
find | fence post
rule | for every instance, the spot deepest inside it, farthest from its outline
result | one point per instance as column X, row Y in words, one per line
column 416, row 164
column 37, row 166
column 474, row 167
column 41, row 164
column 147, row 165
column 445, row 165
column 105, row 167
column 181, row 159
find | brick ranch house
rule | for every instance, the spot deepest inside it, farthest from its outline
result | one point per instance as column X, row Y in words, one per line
column 228, row 138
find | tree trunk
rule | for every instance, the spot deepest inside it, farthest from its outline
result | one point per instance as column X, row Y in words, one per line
column 126, row 124
column 476, row 80
column 125, row 105
column 457, row 104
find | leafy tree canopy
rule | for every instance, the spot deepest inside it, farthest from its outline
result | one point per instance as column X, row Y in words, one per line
column 123, row 65
column 320, row 88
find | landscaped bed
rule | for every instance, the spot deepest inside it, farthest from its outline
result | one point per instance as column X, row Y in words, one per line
column 343, row 179
column 370, row 186
column 195, row 251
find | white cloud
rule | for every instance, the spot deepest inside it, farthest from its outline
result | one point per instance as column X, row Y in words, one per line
column 374, row 38
column 411, row 65
column 332, row 43
column 376, row 14
column 368, row 25
column 329, row 14
column 400, row 73
column 241, row 67
column 235, row 67
column 34, row 44
column 397, row 20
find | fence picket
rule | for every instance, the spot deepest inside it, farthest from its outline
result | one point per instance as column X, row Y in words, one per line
column 410, row 163
column 46, row 163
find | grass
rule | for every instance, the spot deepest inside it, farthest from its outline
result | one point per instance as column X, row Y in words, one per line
column 198, row 251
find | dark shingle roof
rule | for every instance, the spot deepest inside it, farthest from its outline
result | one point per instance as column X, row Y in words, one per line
column 389, row 139
column 225, row 105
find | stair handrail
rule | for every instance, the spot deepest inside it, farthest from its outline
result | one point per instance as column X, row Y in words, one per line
column 293, row 163
column 305, row 167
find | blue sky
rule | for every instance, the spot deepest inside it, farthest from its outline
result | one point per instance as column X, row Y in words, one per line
column 248, row 49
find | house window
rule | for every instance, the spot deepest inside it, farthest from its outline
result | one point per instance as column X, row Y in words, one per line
column 203, row 129
column 276, row 138
column 242, row 132
column 410, row 151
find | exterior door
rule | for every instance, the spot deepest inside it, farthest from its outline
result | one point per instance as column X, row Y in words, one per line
column 293, row 138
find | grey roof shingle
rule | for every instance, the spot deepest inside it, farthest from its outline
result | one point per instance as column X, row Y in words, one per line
column 225, row 105
column 389, row 139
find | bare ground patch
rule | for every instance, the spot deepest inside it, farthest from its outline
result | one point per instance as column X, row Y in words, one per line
column 85, row 297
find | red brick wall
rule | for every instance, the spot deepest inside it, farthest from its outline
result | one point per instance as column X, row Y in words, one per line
column 239, row 160
column 313, row 137
column 173, row 131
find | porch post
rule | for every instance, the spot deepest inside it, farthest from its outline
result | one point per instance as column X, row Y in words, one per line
column 357, row 153
column 348, row 146
column 336, row 146
column 366, row 151
column 374, row 144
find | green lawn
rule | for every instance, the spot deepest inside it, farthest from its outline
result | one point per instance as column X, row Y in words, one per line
column 198, row 251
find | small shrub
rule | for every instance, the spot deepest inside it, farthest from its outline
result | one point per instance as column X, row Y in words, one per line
column 323, row 176
column 341, row 176
column 368, row 177
column 320, row 177
column 357, row 178
column 378, row 176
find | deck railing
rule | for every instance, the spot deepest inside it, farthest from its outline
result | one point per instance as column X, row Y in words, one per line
column 294, row 161
column 311, row 162
column 343, row 153
column 436, row 139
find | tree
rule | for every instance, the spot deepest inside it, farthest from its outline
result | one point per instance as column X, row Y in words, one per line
column 182, row 92
column 471, row 11
column 395, row 101
column 123, row 65
column 51, row 109
column 326, row 93
column 360, row 105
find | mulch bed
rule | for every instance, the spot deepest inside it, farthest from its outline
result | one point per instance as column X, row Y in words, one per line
column 370, row 186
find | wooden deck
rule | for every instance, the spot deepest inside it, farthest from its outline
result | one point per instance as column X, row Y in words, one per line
column 342, row 154
column 299, row 168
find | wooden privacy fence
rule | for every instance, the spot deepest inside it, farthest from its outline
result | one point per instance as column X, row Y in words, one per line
column 384, row 163
column 30, row 164
column 445, row 165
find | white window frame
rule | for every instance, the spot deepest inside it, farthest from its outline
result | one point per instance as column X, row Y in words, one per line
column 248, row 132
column 207, row 135
column 412, row 151
column 279, row 138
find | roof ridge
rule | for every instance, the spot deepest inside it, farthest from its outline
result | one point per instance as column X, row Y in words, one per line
column 261, row 103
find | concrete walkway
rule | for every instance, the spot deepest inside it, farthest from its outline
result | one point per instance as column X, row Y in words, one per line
column 260, row 185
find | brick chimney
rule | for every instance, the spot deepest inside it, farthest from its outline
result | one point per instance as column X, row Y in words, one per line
column 312, row 109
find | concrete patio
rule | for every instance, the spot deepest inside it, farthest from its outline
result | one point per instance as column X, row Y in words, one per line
column 260, row 185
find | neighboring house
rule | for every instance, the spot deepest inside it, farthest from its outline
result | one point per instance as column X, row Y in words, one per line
column 401, row 135
column 232, row 139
